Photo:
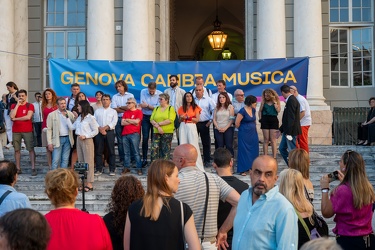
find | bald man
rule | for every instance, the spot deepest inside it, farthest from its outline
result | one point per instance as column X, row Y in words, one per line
column 265, row 219
column 192, row 191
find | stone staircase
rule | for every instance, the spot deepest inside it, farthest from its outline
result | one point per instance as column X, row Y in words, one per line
column 324, row 159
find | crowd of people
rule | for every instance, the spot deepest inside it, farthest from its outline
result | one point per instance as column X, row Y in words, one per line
column 182, row 206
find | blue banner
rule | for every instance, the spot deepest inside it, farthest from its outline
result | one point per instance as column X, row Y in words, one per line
column 252, row 76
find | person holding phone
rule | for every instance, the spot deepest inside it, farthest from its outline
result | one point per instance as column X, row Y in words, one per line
column 351, row 203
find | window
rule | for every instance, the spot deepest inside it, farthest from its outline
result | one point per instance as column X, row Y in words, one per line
column 350, row 11
column 66, row 29
column 351, row 43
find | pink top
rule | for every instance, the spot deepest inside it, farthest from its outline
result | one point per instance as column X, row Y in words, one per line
column 74, row 229
column 349, row 220
column 46, row 112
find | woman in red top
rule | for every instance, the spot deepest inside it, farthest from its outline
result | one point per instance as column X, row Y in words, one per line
column 49, row 104
column 189, row 114
column 72, row 228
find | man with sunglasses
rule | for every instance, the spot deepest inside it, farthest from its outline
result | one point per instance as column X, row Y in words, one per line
column 131, row 135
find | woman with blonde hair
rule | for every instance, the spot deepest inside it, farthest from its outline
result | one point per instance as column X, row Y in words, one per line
column 351, row 203
column 268, row 110
column 70, row 227
column 292, row 187
column 162, row 119
column 299, row 159
column 149, row 221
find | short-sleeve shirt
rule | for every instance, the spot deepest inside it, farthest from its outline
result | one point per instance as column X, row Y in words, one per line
column 14, row 200
column 23, row 126
column 192, row 191
column 190, row 112
column 165, row 233
column 159, row 115
column 132, row 114
column 349, row 220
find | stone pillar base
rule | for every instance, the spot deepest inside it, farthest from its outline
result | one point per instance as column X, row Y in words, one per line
column 320, row 132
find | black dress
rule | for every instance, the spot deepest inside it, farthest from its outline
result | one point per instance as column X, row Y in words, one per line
column 163, row 234
column 367, row 132
column 302, row 234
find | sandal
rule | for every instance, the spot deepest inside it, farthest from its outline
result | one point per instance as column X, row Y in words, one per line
column 243, row 173
column 87, row 188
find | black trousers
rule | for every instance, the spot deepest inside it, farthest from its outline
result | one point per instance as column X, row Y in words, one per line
column 204, row 133
column 356, row 242
column 38, row 133
column 105, row 141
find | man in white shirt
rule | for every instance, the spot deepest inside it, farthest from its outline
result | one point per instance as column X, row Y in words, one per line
column 220, row 84
column 200, row 82
column 205, row 120
column 149, row 100
column 59, row 136
column 107, row 119
column 38, row 119
column 305, row 119
column 119, row 101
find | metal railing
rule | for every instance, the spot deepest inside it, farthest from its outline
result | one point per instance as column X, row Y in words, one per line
column 345, row 124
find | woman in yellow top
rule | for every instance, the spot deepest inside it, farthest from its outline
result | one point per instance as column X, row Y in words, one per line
column 162, row 119
column 189, row 114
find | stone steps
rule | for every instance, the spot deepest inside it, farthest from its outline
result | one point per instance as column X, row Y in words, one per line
column 324, row 159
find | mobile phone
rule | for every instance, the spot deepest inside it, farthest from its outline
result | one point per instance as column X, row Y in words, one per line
column 334, row 175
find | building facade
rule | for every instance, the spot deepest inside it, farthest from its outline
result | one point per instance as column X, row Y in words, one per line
column 337, row 35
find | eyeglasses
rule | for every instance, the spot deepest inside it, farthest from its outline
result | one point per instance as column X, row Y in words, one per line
column 347, row 154
column 129, row 103
column 160, row 99
column 240, row 95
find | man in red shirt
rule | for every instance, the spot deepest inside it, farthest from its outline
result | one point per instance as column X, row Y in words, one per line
column 21, row 114
column 131, row 134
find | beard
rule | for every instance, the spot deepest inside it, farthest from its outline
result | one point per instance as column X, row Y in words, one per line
column 259, row 192
column 173, row 84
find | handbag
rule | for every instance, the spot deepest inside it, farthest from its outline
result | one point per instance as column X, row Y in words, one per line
column 2, row 128
column 320, row 225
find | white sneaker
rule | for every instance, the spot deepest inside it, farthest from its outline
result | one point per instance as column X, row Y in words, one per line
column 23, row 145
column 9, row 145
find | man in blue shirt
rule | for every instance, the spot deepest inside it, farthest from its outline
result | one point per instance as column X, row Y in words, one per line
column 265, row 219
column 10, row 198
column 149, row 100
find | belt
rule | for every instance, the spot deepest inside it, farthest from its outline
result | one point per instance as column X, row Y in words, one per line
column 64, row 135
column 204, row 121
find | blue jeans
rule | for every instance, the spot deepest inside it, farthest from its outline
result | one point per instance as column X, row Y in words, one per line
column 131, row 145
column 60, row 155
column 147, row 128
column 120, row 146
column 286, row 146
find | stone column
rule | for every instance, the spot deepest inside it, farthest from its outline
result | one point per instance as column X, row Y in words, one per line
column 21, row 61
column 138, row 40
column 6, row 42
column 164, row 30
column 100, row 30
column 249, row 29
column 308, row 42
column 271, row 41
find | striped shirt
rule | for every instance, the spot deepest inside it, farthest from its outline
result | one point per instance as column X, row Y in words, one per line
column 192, row 191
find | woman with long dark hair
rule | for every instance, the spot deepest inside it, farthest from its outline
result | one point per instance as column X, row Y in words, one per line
column 127, row 189
column 86, row 128
column 189, row 114
column 159, row 221
column 49, row 104
column 248, row 143
column 351, row 203
column 223, row 122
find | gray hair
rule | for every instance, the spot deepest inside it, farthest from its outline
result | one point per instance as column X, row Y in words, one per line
column 132, row 99
column 238, row 90
column 321, row 244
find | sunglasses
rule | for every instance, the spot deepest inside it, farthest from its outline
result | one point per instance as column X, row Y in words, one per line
column 129, row 103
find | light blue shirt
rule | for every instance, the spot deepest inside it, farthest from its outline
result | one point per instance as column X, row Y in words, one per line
column 208, row 106
column 13, row 201
column 269, row 223
column 152, row 100
column 119, row 100
column 237, row 106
